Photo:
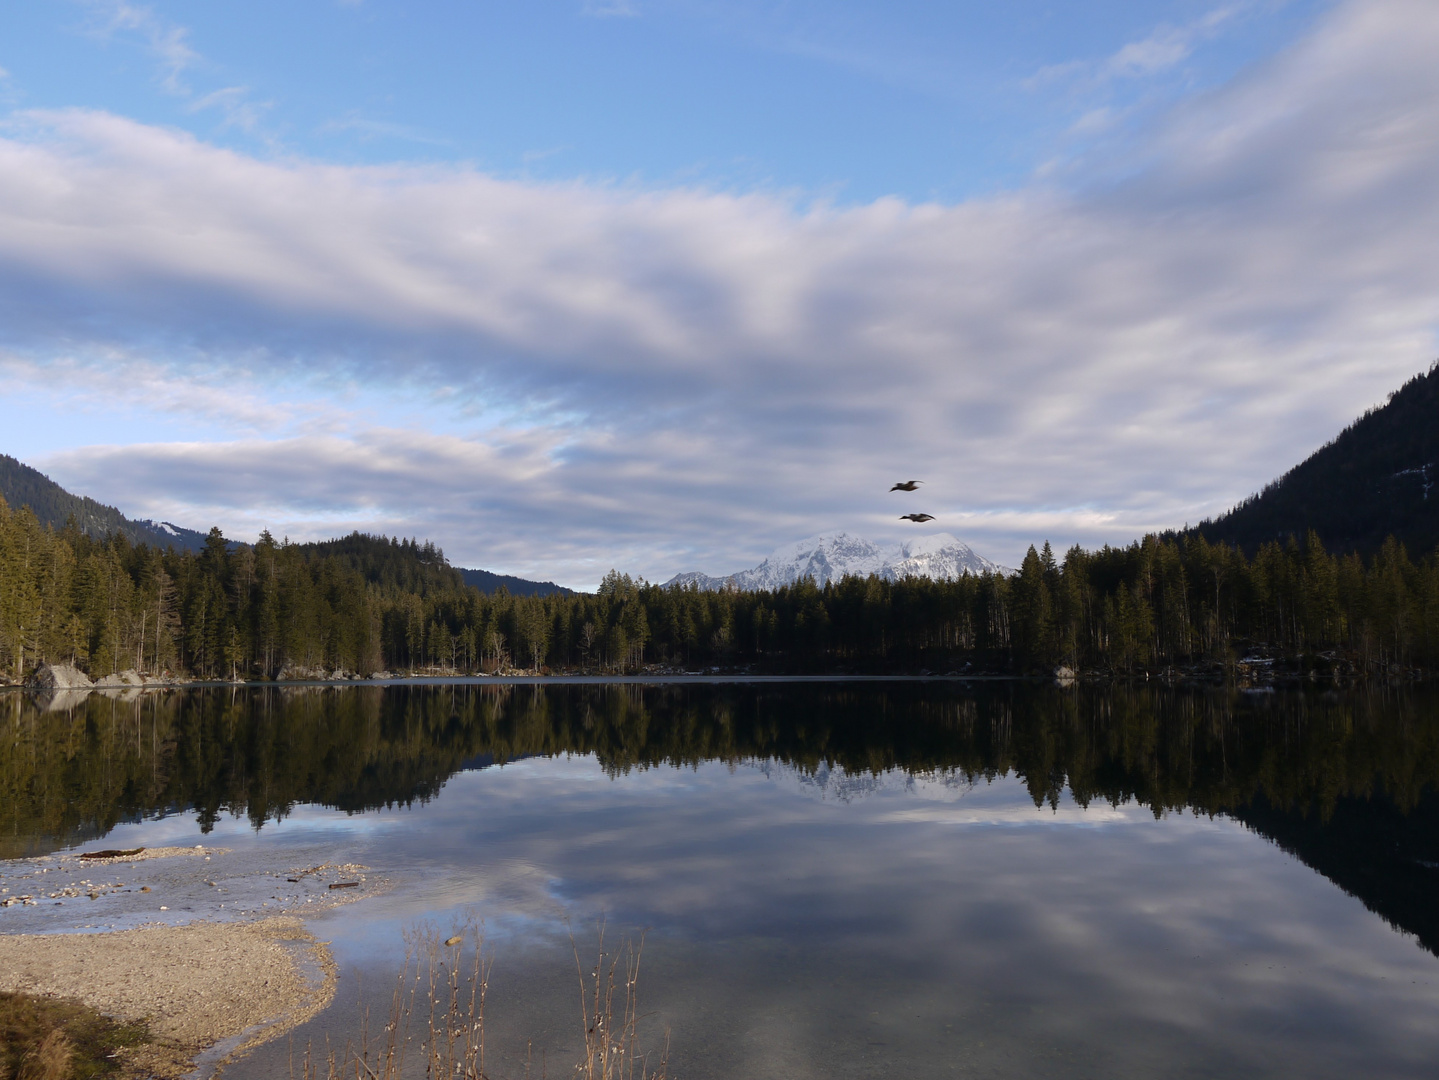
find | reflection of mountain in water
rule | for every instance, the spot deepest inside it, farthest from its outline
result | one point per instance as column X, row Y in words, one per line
column 835, row 783
column 1304, row 768
column 1386, row 858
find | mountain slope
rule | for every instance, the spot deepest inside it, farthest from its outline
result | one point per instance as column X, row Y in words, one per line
column 404, row 564
column 412, row 567
column 53, row 505
column 1380, row 477
column 829, row 558
column 490, row 583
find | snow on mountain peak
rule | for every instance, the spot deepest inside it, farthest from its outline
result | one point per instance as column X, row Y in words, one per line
column 829, row 558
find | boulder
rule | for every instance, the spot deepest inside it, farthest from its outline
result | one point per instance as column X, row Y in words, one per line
column 124, row 678
column 59, row 677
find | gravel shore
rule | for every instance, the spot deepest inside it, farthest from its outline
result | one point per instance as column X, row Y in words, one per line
column 231, row 985
column 200, row 946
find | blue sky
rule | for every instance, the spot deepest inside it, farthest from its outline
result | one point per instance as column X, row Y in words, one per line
column 849, row 101
column 664, row 284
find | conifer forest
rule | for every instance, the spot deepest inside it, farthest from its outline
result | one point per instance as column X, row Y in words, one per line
column 364, row 605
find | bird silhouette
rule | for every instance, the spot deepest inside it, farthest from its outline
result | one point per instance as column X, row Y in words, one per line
column 916, row 517
column 908, row 485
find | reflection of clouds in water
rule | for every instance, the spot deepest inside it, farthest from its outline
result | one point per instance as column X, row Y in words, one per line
column 305, row 823
column 794, row 930
column 1020, row 815
column 1218, row 936
column 507, row 886
column 1140, row 944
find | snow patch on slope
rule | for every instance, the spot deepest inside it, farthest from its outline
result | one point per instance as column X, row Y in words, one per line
column 939, row 556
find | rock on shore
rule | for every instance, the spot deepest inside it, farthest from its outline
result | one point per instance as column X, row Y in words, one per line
column 59, row 677
column 123, row 678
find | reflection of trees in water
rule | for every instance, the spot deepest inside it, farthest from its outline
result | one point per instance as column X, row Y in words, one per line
column 1373, row 850
column 1298, row 766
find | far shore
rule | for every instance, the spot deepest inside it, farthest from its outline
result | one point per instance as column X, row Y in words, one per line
column 525, row 678
column 1241, row 676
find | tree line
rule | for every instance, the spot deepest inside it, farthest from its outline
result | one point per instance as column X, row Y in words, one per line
column 70, row 774
column 363, row 604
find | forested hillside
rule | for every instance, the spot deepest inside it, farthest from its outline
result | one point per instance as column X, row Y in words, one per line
column 1376, row 480
column 487, row 582
column 395, row 565
column 20, row 485
column 364, row 604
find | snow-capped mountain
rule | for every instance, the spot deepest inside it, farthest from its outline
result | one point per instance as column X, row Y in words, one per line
column 829, row 558
column 831, row 783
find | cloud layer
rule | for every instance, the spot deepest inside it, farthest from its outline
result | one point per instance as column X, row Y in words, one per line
column 685, row 378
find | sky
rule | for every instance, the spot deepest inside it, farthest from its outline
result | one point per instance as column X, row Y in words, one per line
column 662, row 285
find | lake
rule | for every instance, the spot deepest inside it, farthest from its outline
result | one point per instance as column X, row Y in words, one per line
column 833, row 879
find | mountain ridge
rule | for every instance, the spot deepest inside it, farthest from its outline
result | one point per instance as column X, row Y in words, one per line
column 487, row 581
column 23, row 485
column 826, row 558
column 54, row 506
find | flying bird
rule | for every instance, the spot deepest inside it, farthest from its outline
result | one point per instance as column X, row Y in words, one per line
column 916, row 517
column 908, row 485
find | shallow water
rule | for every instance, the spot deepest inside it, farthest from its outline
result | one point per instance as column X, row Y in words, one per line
column 918, row 879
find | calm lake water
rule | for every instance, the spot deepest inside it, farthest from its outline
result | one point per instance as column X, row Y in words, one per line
column 902, row 879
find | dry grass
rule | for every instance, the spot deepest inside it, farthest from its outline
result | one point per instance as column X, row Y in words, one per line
column 611, row 1040
column 51, row 1039
column 439, row 999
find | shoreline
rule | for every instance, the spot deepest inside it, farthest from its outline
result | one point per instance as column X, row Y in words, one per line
column 60, row 698
column 209, row 949
column 208, row 992
column 1245, row 675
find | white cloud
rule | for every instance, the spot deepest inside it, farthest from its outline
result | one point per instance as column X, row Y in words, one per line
column 169, row 43
column 1169, row 45
column 609, row 9
column 684, row 378
column 1163, row 49
column 487, row 497
column 166, row 41
column 370, row 128
column 234, row 102
column 220, row 393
